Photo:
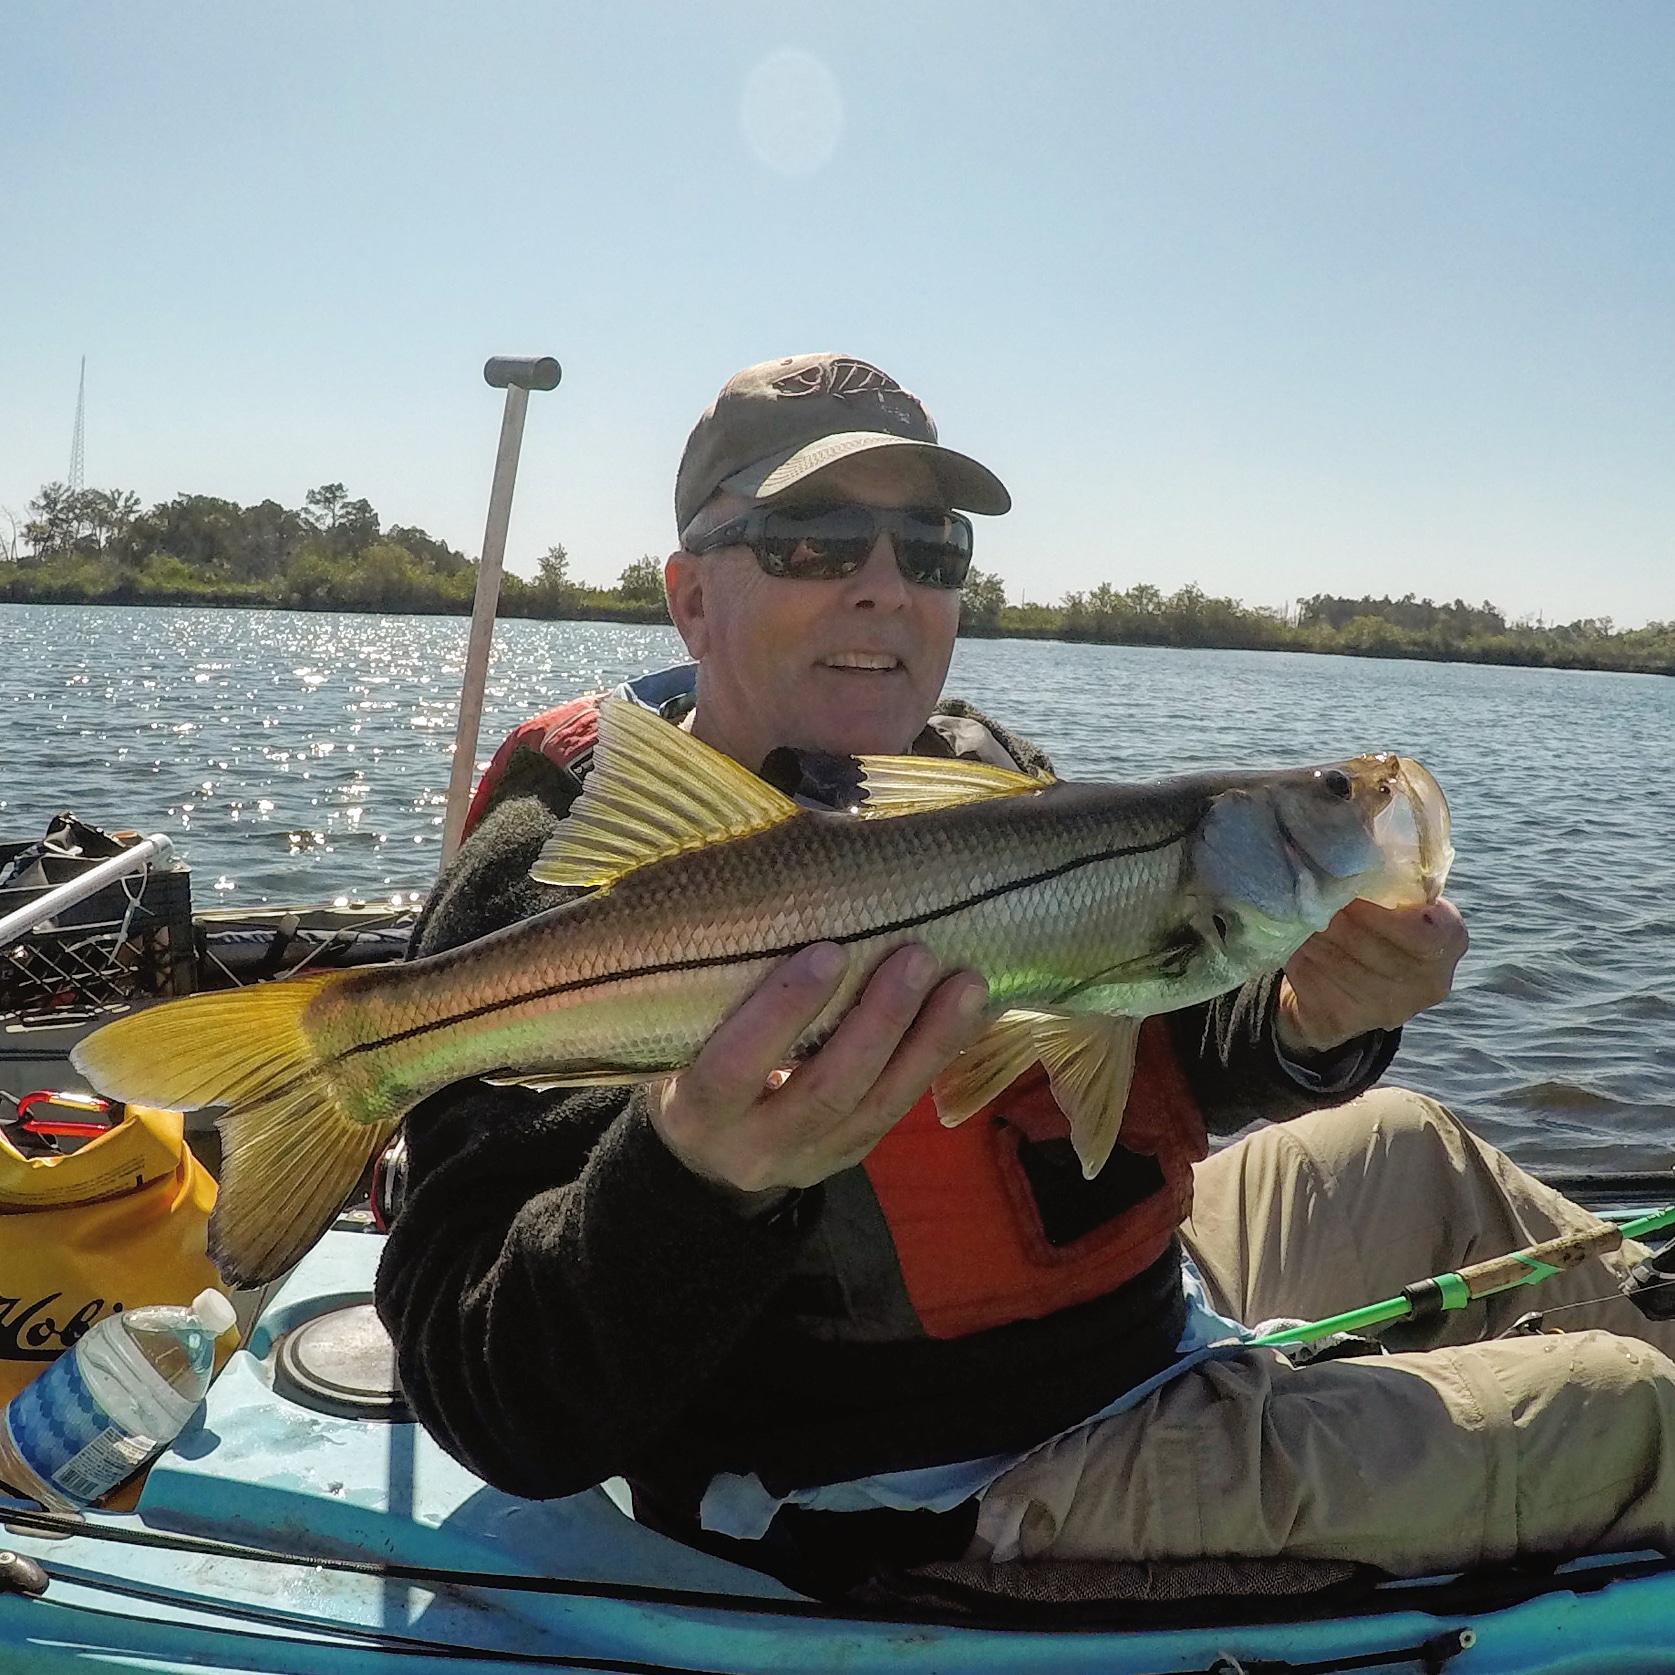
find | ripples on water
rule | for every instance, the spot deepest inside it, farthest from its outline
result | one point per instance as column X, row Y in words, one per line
column 298, row 757
column 290, row 756
column 1558, row 1042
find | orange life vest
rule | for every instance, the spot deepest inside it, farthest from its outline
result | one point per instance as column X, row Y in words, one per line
column 965, row 1220
column 561, row 734
column 972, row 1245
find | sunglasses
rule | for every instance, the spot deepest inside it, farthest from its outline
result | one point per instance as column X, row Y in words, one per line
column 827, row 543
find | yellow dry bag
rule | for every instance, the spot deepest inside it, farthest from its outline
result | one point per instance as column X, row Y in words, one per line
column 119, row 1223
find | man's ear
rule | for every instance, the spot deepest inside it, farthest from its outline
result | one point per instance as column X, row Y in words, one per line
column 683, row 583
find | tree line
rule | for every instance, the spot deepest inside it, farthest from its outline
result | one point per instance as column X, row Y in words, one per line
column 1406, row 628
column 333, row 553
column 97, row 546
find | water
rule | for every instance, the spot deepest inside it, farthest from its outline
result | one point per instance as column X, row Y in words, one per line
column 298, row 757
column 291, row 756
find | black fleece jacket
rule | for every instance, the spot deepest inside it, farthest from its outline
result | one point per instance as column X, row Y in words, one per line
column 569, row 1303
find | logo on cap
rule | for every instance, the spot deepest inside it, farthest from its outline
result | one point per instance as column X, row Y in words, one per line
column 843, row 379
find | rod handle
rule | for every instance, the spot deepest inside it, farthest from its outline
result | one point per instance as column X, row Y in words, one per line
column 1524, row 1267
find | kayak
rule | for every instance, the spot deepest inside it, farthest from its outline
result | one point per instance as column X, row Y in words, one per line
column 304, row 1523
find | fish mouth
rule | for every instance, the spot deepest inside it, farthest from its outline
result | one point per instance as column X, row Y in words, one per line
column 1411, row 829
column 1417, row 820
column 1389, row 833
column 865, row 662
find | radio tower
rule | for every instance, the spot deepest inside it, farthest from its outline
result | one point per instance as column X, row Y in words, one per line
column 76, row 461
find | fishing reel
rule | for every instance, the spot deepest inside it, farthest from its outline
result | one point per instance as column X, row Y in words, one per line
column 1650, row 1285
column 387, row 1191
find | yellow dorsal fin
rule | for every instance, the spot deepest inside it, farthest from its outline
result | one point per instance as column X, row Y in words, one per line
column 897, row 785
column 654, row 791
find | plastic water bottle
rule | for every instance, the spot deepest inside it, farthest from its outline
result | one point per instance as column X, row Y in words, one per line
column 112, row 1403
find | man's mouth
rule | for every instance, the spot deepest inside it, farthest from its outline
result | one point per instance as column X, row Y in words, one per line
column 867, row 660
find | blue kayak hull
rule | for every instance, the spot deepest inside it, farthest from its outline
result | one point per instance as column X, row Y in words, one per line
column 168, row 1588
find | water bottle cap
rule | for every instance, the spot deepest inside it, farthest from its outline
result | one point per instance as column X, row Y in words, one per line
column 214, row 1311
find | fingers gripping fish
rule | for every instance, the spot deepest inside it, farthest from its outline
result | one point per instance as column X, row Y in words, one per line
column 1087, row 907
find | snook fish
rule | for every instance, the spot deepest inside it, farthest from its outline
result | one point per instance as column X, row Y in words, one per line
column 1087, row 907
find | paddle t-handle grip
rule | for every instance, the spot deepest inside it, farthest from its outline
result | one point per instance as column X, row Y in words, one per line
column 523, row 372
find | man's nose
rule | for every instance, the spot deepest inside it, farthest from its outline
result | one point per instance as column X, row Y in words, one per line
column 879, row 583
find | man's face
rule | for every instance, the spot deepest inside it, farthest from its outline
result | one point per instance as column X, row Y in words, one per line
column 852, row 666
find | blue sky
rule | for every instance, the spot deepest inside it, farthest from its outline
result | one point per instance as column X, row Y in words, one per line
column 1281, row 299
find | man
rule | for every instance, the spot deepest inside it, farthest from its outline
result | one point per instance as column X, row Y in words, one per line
column 817, row 1331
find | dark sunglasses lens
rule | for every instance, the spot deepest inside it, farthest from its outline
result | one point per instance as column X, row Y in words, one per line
column 816, row 546
column 934, row 549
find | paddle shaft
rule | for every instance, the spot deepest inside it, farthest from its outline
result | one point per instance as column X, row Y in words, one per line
column 1442, row 1293
column 517, row 376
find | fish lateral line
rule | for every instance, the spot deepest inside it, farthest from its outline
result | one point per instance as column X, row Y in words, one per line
column 708, row 962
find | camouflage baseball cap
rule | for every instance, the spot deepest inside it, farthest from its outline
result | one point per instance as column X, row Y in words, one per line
column 775, row 425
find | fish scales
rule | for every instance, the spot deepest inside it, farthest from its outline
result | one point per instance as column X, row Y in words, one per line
column 636, row 978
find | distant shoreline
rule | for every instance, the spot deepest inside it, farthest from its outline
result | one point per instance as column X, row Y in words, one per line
column 86, row 547
column 1519, row 648
column 645, row 614
column 1509, row 658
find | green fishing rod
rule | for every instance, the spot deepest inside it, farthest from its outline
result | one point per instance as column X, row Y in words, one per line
column 1441, row 1293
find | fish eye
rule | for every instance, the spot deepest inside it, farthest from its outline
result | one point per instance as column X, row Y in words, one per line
column 1336, row 781
column 1220, row 923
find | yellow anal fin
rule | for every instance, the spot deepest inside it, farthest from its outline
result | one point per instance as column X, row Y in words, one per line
column 288, row 1164
column 654, row 791
column 1089, row 1059
column 898, row 785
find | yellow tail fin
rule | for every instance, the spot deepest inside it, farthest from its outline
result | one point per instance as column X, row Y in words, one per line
column 291, row 1153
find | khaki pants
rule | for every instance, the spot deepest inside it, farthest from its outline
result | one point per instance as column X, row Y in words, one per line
column 1452, row 1453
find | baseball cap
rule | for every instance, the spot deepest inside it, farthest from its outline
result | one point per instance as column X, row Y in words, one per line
column 777, row 424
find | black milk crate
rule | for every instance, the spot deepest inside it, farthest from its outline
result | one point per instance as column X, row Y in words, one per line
column 132, row 938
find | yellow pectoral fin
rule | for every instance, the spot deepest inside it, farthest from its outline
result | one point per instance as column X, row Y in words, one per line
column 653, row 791
column 546, row 1081
column 1090, row 1062
column 996, row 1059
column 898, row 785
column 1088, row 1057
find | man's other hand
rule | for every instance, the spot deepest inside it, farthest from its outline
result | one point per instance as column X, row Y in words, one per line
column 1371, row 968
column 722, row 1118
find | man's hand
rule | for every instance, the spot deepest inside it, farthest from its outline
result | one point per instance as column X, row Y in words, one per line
column 721, row 1118
column 1371, row 968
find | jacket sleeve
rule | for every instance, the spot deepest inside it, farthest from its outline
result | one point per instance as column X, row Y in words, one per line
column 556, row 1283
column 1239, row 1075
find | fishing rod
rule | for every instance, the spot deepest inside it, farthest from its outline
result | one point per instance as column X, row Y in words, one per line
column 1443, row 1293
